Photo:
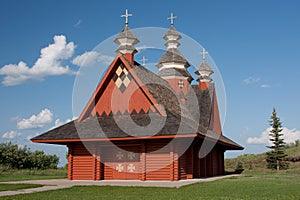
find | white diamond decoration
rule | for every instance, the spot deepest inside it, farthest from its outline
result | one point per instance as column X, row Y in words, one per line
column 119, row 71
column 131, row 168
column 119, row 168
column 125, row 71
column 126, row 81
column 118, row 82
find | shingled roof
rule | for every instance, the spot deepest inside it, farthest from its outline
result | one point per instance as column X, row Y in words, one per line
column 126, row 39
column 126, row 33
column 181, row 119
column 105, row 127
column 172, row 32
column 175, row 72
column 173, row 55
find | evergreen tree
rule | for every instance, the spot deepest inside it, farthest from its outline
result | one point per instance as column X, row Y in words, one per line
column 275, row 158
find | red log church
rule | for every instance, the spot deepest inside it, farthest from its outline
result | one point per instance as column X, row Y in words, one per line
column 140, row 125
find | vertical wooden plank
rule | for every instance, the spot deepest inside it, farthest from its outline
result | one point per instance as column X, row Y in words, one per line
column 209, row 164
column 196, row 161
column 176, row 163
column 94, row 154
column 221, row 162
column 98, row 162
column 70, row 161
column 203, row 166
column 171, row 162
column 143, row 161
column 213, row 162
column 190, row 163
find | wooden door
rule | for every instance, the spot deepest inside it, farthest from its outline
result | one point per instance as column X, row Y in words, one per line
column 122, row 164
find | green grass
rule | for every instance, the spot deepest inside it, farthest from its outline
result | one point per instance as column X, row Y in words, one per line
column 6, row 187
column 269, row 185
column 16, row 175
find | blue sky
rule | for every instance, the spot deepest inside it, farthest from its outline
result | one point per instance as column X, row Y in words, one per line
column 255, row 45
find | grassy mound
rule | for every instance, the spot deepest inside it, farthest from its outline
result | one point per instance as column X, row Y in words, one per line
column 257, row 162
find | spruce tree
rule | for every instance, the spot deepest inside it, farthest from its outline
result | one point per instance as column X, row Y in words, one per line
column 275, row 158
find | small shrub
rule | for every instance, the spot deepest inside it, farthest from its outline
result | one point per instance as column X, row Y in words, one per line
column 239, row 167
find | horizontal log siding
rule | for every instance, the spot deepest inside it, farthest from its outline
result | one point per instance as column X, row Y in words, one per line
column 83, row 163
column 157, row 161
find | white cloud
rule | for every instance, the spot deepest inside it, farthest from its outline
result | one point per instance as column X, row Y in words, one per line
column 265, row 86
column 78, row 23
column 36, row 121
column 48, row 64
column 58, row 122
column 143, row 47
column 289, row 136
column 10, row 134
column 251, row 80
column 263, row 139
column 91, row 58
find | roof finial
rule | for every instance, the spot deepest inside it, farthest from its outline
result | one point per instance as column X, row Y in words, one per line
column 127, row 15
column 171, row 18
column 203, row 54
column 144, row 60
column 204, row 71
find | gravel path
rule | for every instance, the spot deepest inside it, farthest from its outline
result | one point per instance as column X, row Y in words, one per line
column 54, row 184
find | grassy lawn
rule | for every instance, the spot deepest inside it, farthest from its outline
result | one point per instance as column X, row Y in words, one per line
column 15, row 175
column 6, row 187
column 268, row 185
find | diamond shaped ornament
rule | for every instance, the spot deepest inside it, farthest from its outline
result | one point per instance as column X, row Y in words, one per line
column 122, row 88
column 119, row 71
column 126, row 81
column 119, row 82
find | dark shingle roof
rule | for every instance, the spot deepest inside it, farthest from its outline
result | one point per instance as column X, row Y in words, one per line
column 109, row 127
column 106, row 127
column 175, row 72
column 180, row 118
column 126, row 33
column 127, row 47
column 173, row 55
column 172, row 31
column 203, row 67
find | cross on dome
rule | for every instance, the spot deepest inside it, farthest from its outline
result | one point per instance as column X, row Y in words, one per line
column 144, row 60
column 171, row 18
column 127, row 15
column 203, row 53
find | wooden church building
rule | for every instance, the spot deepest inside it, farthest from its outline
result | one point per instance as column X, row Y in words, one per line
column 139, row 125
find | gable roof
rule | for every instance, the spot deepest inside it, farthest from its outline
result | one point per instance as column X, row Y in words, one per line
column 179, row 118
column 104, row 82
